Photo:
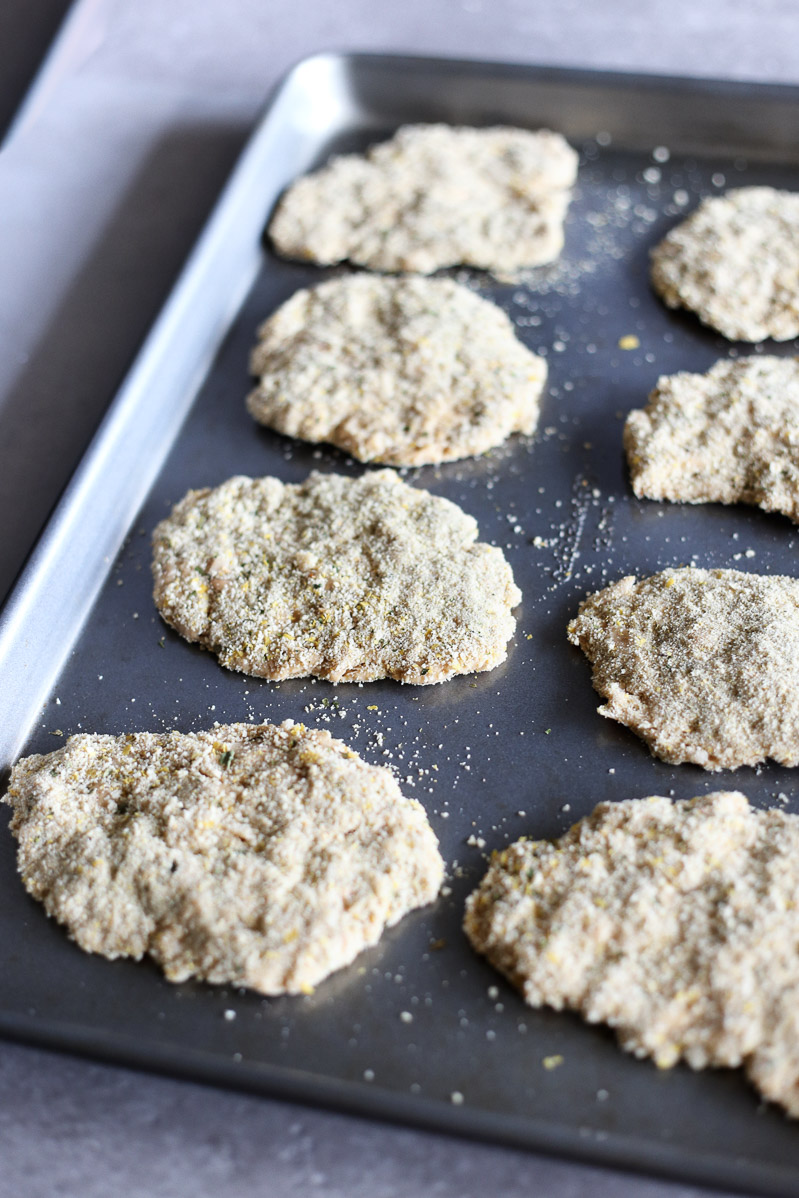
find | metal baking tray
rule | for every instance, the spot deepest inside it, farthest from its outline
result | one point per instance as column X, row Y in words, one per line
column 519, row 750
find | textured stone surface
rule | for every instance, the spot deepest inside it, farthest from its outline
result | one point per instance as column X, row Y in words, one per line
column 74, row 1124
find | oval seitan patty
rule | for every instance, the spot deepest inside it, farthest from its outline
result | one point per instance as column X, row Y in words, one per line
column 702, row 664
column 735, row 262
column 346, row 579
column 259, row 855
column 434, row 196
column 677, row 923
column 400, row 371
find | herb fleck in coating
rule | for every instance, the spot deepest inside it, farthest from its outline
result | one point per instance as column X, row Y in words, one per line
column 259, row 855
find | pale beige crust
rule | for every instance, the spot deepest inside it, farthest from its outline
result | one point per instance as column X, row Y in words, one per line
column 258, row 855
column 400, row 371
column 434, row 196
column 735, row 262
column 702, row 664
column 677, row 923
column 347, row 579
column 728, row 436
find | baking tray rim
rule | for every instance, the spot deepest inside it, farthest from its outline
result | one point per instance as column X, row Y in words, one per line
column 610, row 1149
column 614, row 1149
column 549, row 72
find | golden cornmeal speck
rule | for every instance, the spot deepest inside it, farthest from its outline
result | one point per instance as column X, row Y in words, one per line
column 728, row 436
column 433, row 196
column 676, row 923
column 346, row 579
column 401, row 371
column 702, row 664
column 735, row 262
column 259, row 855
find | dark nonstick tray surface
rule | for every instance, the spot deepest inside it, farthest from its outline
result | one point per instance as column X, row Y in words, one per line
column 519, row 750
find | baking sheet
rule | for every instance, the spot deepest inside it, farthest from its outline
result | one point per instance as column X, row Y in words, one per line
column 519, row 750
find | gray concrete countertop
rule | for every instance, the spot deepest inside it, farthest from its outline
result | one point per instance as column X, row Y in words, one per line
column 105, row 180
